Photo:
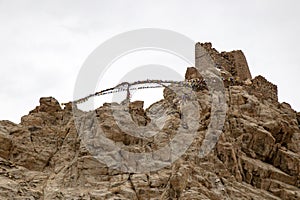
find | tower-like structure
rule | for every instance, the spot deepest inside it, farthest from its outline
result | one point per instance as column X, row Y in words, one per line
column 234, row 62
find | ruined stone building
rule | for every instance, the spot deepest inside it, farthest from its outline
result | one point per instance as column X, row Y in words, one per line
column 235, row 64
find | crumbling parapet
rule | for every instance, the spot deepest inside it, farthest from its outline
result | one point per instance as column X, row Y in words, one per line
column 263, row 89
column 233, row 62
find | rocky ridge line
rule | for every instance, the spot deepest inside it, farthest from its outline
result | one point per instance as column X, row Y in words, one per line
column 256, row 157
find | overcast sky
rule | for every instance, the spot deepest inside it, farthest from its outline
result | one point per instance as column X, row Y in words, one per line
column 44, row 43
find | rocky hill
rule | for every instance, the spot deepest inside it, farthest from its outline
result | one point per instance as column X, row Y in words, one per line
column 257, row 155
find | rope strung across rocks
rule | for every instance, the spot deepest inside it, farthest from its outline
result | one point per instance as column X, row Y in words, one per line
column 127, row 87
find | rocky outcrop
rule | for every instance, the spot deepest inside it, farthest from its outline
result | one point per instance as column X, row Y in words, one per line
column 298, row 118
column 263, row 89
column 256, row 157
column 192, row 73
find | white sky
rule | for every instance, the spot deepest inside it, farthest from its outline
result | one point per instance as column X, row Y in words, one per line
column 44, row 43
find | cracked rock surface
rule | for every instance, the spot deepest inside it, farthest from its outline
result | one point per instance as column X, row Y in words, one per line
column 256, row 157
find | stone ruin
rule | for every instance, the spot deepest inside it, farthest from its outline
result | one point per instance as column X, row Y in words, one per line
column 235, row 71
column 233, row 68
column 233, row 62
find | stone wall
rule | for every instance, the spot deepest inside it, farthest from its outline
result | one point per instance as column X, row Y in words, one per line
column 234, row 62
column 236, row 65
column 240, row 66
column 263, row 89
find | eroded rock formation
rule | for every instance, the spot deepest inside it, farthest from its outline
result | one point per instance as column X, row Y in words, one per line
column 256, row 157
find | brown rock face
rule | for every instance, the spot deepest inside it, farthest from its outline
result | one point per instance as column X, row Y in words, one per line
column 256, row 157
column 263, row 89
column 137, row 113
column 192, row 73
